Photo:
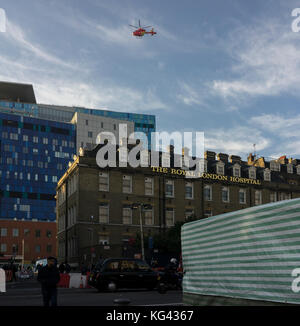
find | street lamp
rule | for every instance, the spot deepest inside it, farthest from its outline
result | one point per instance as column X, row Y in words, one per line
column 135, row 206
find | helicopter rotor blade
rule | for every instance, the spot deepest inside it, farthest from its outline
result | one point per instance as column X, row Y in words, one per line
column 133, row 26
column 146, row 26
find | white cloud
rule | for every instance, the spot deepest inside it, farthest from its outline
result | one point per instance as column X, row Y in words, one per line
column 284, row 127
column 236, row 141
column 267, row 61
column 16, row 35
column 114, row 97
column 190, row 95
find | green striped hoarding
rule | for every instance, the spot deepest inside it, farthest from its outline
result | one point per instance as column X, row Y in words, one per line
column 252, row 253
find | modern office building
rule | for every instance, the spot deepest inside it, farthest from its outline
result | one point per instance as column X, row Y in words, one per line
column 37, row 142
column 95, row 207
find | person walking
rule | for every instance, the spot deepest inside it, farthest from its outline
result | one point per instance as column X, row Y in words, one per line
column 49, row 276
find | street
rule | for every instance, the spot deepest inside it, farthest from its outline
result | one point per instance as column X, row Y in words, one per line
column 29, row 294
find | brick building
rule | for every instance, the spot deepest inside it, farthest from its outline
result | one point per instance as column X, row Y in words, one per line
column 95, row 212
column 27, row 238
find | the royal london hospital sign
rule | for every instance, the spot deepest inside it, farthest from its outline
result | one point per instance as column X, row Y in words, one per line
column 204, row 175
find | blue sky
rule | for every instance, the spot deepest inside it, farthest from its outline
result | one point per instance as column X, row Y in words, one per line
column 228, row 68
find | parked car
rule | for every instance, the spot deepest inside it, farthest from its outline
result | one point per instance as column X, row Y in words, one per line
column 116, row 273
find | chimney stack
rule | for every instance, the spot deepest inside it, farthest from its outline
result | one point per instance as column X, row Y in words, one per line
column 210, row 155
column 222, row 157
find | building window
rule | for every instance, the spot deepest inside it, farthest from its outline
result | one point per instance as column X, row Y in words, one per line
column 3, row 232
column 103, row 213
column 90, row 134
column 169, row 188
column 169, row 217
column 15, row 248
column 25, row 137
column 149, row 220
column 103, row 181
column 207, row 192
column 104, row 240
column 3, row 247
column 38, row 248
column 252, row 173
column 284, row 196
column 13, row 136
column 35, row 139
column 15, row 232
column 149, row 186
column 207, row 213
column 275, row 166
column 189, row 190
column 188, row 213
column 242, row 196
column 290, row 168
column 127, row 184
column 45, row 141
column 225, row 194
column 236, row 170
column 258, row 197
column 267, row 175
column 37, row 233
column 86, row 122
column 273, row 196
column 127, row 215
column 220, row 168
column 49, row 248
column 26, row 232
column 49, row 234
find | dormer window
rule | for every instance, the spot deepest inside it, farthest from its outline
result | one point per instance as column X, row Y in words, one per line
column 252, row 172
column 236, row 170
column 267, row 175
column 220, row 168
column 290, row 168
column 275, row 166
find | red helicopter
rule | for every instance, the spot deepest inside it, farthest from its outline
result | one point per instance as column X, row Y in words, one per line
column 141, row 31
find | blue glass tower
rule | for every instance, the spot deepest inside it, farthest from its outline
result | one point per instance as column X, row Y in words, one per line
column 34, row 155
column 37, row 142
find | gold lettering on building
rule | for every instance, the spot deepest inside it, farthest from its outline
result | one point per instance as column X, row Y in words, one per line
column 204, row 175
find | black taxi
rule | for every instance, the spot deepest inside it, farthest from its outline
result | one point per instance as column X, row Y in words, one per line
column 116, row 273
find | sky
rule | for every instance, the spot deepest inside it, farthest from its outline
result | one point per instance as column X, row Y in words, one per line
column 230, row 69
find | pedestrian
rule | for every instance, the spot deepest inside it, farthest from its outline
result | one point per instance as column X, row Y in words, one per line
column 83, row 269
column 68, row 268
column 62, row 268
column 14, row 270
column 49, row 276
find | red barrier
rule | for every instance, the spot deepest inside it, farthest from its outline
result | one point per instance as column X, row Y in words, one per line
column 64, row 281
column 8, row 275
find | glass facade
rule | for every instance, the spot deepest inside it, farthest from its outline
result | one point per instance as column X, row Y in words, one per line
column 34, row 155
column 142, row 122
